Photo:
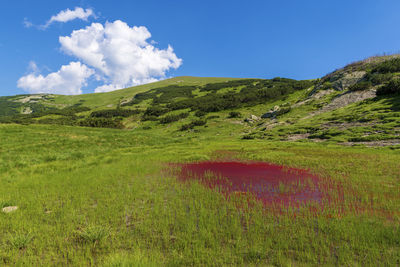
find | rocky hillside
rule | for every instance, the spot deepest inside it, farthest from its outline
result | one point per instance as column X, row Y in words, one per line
column 358, row 104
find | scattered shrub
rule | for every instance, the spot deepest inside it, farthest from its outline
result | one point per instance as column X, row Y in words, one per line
column 388, row 66
column 102, row 123
column 390, row 88
column 191, row 125
column 234, row 114
column 248, row 137
column 361, row 86
column 200, row 113
column 378, row 78
column 111, row 113
column 172, row 118
column 155, row 111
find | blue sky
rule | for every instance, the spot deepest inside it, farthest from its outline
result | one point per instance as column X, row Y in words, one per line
column 260, row 39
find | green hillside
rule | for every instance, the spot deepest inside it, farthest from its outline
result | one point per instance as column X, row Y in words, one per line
column 364, row 94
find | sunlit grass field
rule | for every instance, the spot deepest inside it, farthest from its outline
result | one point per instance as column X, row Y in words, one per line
column 89, row 196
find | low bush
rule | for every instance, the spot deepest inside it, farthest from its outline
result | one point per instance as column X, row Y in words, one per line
column 191, row 125
column 390, row 88
column 388, row 66
column 102, row 123
column 111, row 113
column 234, row 114
column 361, row 86
column 172, row 118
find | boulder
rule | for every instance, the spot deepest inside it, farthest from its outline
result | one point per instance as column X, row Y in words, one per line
column 9, row 209
column 252, row 118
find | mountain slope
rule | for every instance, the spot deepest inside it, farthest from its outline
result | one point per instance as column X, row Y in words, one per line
column 358, row 104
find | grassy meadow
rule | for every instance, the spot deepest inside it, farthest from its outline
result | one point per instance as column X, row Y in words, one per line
column 92, row 196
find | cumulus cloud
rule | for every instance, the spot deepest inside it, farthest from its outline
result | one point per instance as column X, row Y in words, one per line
column 121, row 55
column 68, row 15
column 68, row 80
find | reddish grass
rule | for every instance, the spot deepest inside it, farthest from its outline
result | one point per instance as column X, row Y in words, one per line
column 269, row 183
column 279, row 187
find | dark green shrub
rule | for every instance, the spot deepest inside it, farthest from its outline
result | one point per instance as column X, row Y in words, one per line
column 172, row 118
column 102, row 123
column 390, row 88
column 110, row 113
column 361, row 86
column 379, row 78
column 234, row 114
column 326, row 85
column 388, row 66
column 191, row 125
column 200, row 113
column 156, row 111
column 149, row 118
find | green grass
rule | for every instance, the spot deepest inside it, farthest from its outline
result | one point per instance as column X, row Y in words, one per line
column 91, row 196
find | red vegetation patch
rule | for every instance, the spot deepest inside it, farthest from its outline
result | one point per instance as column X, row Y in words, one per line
column 269, row 183
column 279, row 188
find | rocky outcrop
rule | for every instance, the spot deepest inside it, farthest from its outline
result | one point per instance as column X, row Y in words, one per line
column 347, row 80
column 276, row 111
column 252, row 118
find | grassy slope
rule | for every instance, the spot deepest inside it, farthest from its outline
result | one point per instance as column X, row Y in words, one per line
column 103, row 199
column 101, row 100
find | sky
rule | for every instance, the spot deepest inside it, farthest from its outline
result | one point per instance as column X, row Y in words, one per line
column 86, row 46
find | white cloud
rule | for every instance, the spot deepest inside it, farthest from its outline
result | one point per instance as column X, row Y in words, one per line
column 68, row 15
column 68, row 80
column 120, row 54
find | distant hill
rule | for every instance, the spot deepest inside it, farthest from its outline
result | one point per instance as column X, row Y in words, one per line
column 357, row 104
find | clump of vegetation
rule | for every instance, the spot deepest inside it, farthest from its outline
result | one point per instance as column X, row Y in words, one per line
column 191, row 125
column 390, row 88
column 92, row 234
column 200, row 113
column 102, row 123
column 361, row 86
column 173, row 117
column 378, row 78
column 387, row 66
column 111, row 113
column 234, row 114
column 20, row 240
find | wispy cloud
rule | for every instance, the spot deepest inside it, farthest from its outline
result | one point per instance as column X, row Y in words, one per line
column 62, row 17
column 68, row 15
